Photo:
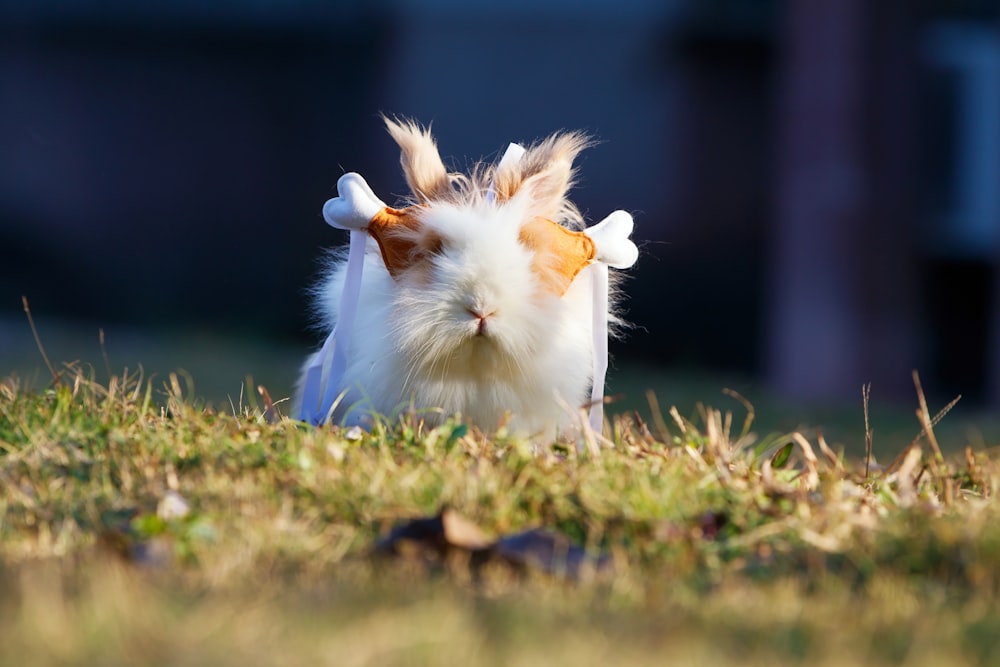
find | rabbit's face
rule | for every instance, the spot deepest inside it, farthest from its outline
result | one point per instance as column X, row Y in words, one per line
column 471, row 303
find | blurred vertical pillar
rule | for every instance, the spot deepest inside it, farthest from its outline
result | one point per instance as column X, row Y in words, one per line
column 815, row 329
column 840, row 273
column 993, row 332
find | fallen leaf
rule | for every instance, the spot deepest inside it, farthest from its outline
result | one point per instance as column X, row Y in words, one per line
column 449, row 533
column 448, row 530
column 461, row 532
column 549, row 552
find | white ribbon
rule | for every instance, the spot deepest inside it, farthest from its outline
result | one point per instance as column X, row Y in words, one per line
column 313, row 385
column 599, row 280
column 352, row 209
column 314, row 410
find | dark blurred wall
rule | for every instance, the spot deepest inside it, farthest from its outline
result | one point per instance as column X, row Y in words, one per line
column 167, row 167
column 168, row 170
column 792, row 166
column 704, row 274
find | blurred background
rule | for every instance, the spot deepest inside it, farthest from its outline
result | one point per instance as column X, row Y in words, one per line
column 815, row 183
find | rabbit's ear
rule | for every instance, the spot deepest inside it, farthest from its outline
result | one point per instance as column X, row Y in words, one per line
column 543, row 175
column 425, row 172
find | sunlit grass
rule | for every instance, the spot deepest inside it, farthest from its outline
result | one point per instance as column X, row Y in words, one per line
column 141, row 526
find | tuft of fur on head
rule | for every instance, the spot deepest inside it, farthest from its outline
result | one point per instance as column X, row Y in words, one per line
column 422, row 166
column 542, row 177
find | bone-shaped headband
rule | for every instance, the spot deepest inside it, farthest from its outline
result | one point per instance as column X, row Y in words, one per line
column 567, row 251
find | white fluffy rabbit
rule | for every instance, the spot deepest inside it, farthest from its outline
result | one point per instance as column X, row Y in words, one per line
column 472, row 307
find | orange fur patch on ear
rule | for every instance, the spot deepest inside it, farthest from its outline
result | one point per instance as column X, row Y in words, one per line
column 397, row 249
column 560, row 253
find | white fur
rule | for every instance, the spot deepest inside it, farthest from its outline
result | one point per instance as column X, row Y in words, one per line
column 414, row 340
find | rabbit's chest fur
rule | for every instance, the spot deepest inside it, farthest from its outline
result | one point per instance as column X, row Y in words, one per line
column 537, row 384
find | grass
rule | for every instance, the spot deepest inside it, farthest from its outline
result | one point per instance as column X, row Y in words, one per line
column 141, row 526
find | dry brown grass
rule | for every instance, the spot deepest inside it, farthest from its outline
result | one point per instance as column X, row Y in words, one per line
column 137, row 526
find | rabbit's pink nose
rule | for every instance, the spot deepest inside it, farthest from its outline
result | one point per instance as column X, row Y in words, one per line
column 480, row 318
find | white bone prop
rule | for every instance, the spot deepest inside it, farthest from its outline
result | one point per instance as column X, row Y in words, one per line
column 355, row 206
column 611, row 240
column 353, row 209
